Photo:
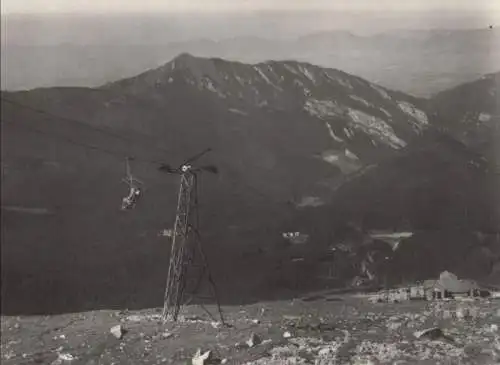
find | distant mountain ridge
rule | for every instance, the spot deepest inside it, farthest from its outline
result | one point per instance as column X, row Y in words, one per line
column 470, row 112
column 416, row 62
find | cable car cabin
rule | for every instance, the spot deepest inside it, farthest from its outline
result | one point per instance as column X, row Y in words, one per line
column 130, row 201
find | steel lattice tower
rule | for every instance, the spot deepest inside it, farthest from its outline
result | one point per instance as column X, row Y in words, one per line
column 186, row 248
column 179, row 254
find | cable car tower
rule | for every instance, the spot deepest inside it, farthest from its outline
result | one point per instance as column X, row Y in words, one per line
column 187, row 253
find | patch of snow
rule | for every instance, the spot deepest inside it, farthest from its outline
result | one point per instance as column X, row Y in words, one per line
column 310, row 201
column 484, row 117
column 237, row 111
column 350, row 155
column 322, row 108
column 263, row 75
column 330, row 158
column 240, row 80
column 414, row 112
column 266, row 79
column 381, row 91
column 345, row 83
column 385, row 112
column 361, row 100
column 291, row 69
column 332, row 134
column 376, row 127
column 339, row 80
column 210, row 86
column 307, row 73
column 339, row 159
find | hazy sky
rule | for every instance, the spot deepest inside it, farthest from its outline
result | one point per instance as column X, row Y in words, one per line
column 119, row 6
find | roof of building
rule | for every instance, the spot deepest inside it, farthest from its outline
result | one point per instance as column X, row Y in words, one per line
column 450, row 282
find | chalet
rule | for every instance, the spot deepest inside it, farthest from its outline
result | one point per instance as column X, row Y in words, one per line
column 449, row 286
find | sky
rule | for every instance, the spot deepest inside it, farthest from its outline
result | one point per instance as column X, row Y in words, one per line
column 176, row 6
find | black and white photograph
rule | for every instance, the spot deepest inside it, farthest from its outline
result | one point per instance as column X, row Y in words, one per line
column 250, row 182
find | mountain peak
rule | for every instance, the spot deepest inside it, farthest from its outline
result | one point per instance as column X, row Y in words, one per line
column 350, row 110
column 185, row 59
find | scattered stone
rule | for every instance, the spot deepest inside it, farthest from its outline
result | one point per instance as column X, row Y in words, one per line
column 63, row 358
column 239, row 345
column 66, row 357
column 166, row 334
column 254, row 340
column 462, row 313
column 447, row 314
column 201, row 359
column 216, row 324
column 117, row 331
column 394, row 326
column 134, row 318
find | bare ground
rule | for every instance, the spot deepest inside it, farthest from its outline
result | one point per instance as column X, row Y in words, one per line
column 323, row 330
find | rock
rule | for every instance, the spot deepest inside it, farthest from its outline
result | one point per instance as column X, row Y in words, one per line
column 394, row 326
column 327, row 351
column 447, row 314
column 255, row 321
column 494, row 328
column 201, row 359
column 462, row 313
column 66, row 357
column 216, row 324
column 287, row 334
column 134, row 318
column 166, row 334
column 117, row 331
column 239, row 345
column 223, row 361
column 430, row 333
column 254, row 340
column 62, row 358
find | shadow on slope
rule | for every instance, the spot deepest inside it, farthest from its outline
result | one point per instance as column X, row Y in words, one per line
column 85, row 253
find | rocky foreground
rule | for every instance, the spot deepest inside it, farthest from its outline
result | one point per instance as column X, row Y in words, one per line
column 315, row 330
